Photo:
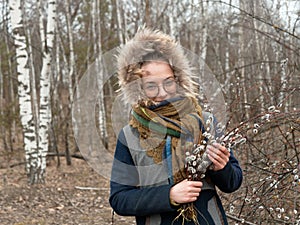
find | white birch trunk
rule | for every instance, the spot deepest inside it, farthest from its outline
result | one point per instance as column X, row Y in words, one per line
column 41, row 25
column 227, row 79
column 30, row 144
column 258, row 47
column 72, row 54
column 241, row 62
column 172, row 19
column 204, row 32
column 45, row 114
column 119, row 22
column 228, row 37
column 71, row 74
column 99, row 68
column 202, row 27
column 125, row 22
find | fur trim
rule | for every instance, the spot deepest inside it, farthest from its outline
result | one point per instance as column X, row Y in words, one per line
column 144, row 42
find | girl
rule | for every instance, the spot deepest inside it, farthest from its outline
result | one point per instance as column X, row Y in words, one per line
column 149, row 178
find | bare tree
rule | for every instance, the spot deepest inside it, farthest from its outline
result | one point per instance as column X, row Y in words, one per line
column 33, row 163
column 121, row 30
column 11, row 133
column 35, row 148
column 1, row 107
column 97, row 39
column 45, row 101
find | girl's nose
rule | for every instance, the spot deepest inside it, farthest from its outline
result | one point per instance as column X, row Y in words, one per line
column 161, row 92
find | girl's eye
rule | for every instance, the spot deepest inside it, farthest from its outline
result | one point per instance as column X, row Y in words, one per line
column 151, row 87
column 169, row 83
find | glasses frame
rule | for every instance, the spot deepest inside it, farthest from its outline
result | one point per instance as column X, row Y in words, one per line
column 164, row 85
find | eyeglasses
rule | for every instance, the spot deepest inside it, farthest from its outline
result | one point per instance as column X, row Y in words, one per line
column 152, row 89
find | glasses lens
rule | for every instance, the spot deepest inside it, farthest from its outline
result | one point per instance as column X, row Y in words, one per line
column 152, row 89
column 170, row 86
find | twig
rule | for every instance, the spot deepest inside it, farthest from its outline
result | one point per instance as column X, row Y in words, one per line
column 17, row 164
column 64, row 154
column 91, row 188
column 239, row 220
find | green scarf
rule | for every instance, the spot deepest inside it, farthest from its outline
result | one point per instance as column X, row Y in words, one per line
column 177, row 118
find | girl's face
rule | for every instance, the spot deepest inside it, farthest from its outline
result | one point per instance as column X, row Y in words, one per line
column 158, row 81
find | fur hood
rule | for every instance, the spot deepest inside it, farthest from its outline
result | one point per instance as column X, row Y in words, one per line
column 144, row 42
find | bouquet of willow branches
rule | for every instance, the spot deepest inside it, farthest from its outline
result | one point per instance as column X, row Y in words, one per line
column 196, row 164
column 196, row 157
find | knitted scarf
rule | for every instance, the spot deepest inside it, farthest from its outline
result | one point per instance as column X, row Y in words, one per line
column 178, row 120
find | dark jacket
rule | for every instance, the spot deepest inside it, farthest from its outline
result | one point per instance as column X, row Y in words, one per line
column 150, row 204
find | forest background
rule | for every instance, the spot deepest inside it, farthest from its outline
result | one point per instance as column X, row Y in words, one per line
column 251, row 47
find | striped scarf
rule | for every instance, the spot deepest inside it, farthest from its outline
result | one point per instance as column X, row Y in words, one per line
column 168, row 130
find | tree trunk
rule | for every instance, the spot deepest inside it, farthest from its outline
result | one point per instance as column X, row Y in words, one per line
column 241, row 63
column 99, row 68
column 11, row 97
column 147, row 18
column 45, row 84
column 227, row 75
column 258, row 53
column 35, row 151
column 34, row 97
column 70, row 77
column 172, row 19
column 119, row 22
column 2, row 128
column 33, row 162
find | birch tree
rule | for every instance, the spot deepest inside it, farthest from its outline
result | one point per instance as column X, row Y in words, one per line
column 35, row 147
column 96, row 24
column 257, row 27
column 71, row 74
column 44, row 104
column 241, row 63
column 121, row 31
column 33, row 163
column 2, row 129
column 11, row 94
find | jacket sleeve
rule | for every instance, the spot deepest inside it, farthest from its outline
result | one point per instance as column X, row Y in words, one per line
column 126, row 197
column 230, row 178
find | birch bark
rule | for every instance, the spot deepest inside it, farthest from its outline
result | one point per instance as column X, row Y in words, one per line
column 70, row 75
column 172, row 19
column 72, row 54
column 99, row 68
column 227, row 79
column 45, row 103
column 258, row 47
column 119, row 22
column 35, row 148
column 30, row 144
column 204, row 33
column 241, row 62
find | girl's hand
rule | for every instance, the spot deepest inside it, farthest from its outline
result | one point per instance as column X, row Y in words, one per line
column 185, row 191
column 219, row 155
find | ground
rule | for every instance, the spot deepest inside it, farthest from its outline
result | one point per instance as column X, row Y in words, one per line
column 73, row 194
